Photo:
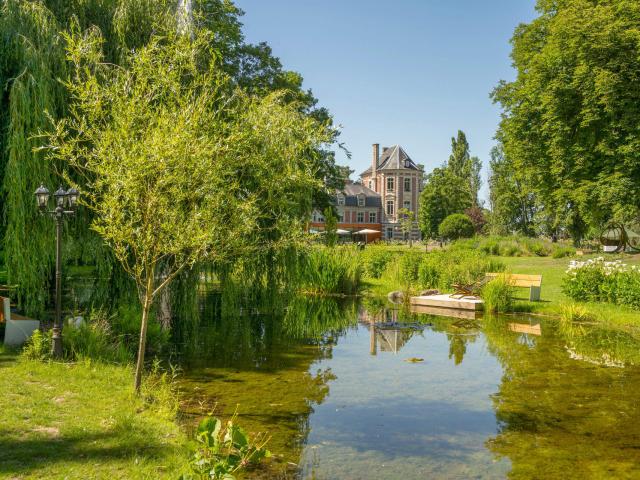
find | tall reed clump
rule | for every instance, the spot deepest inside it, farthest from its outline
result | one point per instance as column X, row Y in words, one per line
column 440, row 269
column 498, row 295
column 328, row 271
column 375, row 259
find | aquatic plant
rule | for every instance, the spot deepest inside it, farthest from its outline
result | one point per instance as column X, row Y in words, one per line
column 498, row 295
column 440, row 269
column 331, row 270
column 223, row 450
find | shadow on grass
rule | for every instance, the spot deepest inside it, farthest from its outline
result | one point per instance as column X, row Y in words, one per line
column 35, row 451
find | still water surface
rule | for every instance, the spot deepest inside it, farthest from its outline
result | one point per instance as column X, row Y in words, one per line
column 340, row 389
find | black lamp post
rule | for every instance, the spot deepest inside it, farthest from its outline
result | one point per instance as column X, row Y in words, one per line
column 63, row 199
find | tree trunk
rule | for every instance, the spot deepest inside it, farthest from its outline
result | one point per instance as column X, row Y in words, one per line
column 146, row 307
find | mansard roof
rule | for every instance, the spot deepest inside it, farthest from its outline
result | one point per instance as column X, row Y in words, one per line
column 352, row 191
column 393, row 158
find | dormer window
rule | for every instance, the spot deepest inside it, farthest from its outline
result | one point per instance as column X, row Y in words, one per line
column 407, row 163
column 341, row 200
column 361, row 201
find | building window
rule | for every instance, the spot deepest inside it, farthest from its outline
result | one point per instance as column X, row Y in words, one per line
column 340, row 217
column 407, row 204
column 390, row 207
column 361, row 201
column 340, row 200
column 372, row 217
column 371, row 184
column 360, row 217
column 390, row 184
column 407, row 163
column 407, row 184
column 389, row 233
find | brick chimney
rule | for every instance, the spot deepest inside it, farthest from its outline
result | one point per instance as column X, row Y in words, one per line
column 374, row 165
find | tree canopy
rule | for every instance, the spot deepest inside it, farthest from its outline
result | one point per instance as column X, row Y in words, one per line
column 571, row 118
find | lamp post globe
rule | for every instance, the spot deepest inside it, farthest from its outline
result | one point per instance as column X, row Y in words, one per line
column 60, row 196
column 72, row 197
column 42, row 197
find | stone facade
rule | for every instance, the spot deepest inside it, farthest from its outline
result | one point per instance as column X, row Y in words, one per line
column 392, row 182
column 398, row 180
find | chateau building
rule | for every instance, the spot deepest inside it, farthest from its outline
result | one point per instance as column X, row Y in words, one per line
column 391, row 183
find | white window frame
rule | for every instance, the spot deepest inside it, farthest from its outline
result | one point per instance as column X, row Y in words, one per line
column 360, row 217
column 361, row 201
column 391, row 211
column 390, row 181
column 372, row 217
column 340, row 200
column 407, row 204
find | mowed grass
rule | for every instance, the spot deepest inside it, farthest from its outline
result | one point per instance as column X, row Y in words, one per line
column 83, row 421
column 553, row 299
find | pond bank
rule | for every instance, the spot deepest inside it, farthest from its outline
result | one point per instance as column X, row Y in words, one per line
column 83, row 420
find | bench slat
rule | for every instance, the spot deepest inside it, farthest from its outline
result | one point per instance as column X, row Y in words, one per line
column 520, row 280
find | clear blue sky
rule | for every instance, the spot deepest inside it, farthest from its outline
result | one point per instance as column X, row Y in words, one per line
column 408, row 72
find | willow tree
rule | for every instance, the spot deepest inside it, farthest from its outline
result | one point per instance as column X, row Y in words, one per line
column 179, row 166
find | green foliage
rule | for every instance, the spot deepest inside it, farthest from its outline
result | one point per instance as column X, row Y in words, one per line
column 331, row 270
column 38, row 346
column 160, row 198
column 444, row 194
column 409, row 266
column 456, row 226
column 374, row 260
column 498, row 295
column 515, row 246
column 571, row 122
column 95, row 340
column 596, row 280
column 441, row 268
column 223, row 450
column 330, row 226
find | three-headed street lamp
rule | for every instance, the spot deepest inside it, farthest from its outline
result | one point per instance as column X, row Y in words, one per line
column 65, row 204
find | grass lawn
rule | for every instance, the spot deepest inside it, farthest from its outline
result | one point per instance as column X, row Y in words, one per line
column 552, row 298
column 83, row 421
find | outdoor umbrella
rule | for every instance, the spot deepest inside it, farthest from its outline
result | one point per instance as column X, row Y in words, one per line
column 342, row 232
column 366, row 233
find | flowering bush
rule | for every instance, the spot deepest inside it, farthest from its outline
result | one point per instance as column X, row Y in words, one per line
column 596, row 280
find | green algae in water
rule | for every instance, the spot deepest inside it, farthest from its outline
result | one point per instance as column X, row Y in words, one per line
column 497, row 398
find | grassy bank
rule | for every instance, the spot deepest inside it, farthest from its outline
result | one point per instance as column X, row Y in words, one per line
column 83, row 421
column 553, row 300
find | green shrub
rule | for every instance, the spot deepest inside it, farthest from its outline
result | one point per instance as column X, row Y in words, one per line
column 562, row 251
column 441, row 268
column 224, row 449
column 599, row 281
column 95, row 339
column 456, row 226
column 513, row 246
column 498, row 295
column 38, row 346
column 409, row 266
column 374, row 260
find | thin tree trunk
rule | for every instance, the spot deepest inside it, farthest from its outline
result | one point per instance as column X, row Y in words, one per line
column 146, row 307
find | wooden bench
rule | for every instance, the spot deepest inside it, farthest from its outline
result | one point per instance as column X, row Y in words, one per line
column 532, row 282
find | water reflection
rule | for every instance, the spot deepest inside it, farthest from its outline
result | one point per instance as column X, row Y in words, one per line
column 493, row 397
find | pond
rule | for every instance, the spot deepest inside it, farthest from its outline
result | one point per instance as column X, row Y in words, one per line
column 361, row 391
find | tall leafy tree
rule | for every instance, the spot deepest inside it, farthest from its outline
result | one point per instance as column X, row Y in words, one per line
column 444, row 193
column 512, row 202
column 32, row 59
column 571, row 121
column 163, row 145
